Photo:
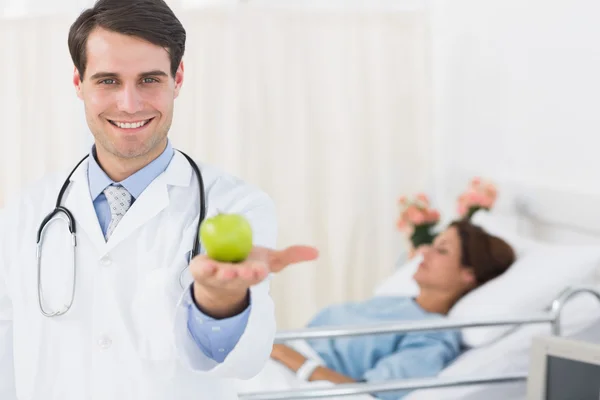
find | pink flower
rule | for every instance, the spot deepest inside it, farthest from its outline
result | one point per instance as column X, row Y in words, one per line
column 480, row 198
column 415, row 211
column 422, row 197
column 487, row 202
column 478, row 194
column 401, row 224
column 412, row 213
column 434, row 216
column 418, row 219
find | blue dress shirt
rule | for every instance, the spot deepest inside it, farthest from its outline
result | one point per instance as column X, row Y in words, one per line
column 216, row 338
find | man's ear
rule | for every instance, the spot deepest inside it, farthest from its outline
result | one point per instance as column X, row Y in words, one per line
column 77, row 82
column 179, row 78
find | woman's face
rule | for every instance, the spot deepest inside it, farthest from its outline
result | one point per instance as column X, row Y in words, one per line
column 441, row 268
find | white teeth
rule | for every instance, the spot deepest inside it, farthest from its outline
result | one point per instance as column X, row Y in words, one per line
column 129, row 125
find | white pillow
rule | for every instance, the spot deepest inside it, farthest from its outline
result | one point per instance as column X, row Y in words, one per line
column 542, row 271
column 510, row 355
column 529, row 286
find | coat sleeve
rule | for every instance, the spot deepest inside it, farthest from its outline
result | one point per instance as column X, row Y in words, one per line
column 7, row 373
column 254, row 347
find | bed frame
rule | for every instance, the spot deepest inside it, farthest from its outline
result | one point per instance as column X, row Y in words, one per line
column 552, row 317
column 545, row 213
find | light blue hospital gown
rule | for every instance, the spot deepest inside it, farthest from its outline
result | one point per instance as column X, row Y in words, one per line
column 377, row 358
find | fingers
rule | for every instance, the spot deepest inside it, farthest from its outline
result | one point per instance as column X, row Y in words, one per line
column 254, row 269
column 204, row 268
column 292, row 255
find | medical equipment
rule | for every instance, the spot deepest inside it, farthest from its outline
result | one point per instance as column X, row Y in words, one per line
column 563, row 369
column 553, row 317
column 70, row 219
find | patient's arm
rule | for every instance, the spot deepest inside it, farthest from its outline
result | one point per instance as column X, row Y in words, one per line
column 420, row 355
column 326, row 374
column 294, row 360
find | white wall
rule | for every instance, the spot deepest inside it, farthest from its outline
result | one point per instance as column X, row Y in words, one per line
column 517, row 92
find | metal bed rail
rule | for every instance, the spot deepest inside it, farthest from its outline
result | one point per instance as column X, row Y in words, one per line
column 410, row 326
column 552, row 316
column 352, row 389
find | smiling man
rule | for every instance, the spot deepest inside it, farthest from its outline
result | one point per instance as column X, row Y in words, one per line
column 144, row 322
column 128, row 86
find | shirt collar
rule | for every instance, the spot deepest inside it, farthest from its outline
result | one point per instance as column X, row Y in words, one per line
column 136, row 183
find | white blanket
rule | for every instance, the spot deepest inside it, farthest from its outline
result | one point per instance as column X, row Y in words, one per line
column 277, row 377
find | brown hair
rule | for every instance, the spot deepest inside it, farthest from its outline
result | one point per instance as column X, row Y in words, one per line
column 488, row 255
column 150, row 20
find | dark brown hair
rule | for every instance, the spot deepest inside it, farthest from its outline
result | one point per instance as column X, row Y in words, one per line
column 488, row 255
column 150, row 20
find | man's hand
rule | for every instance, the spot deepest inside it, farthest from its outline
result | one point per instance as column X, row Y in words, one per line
column 221, row 289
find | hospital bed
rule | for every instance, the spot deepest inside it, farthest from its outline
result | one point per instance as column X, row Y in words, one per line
column 551, row 317
column 552, row 289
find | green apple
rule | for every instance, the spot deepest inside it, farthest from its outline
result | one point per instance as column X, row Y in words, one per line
column 227, row 237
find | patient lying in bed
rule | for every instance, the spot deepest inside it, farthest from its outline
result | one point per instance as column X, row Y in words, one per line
column 461, row 258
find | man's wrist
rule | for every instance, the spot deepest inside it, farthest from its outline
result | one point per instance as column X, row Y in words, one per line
column 219, row 304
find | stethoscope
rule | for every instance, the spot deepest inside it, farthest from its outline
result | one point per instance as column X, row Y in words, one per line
column 60, row 210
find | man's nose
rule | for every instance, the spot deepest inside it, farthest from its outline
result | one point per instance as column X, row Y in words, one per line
column 130, row 100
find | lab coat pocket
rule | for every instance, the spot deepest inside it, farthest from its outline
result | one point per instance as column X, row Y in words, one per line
column 153, row 311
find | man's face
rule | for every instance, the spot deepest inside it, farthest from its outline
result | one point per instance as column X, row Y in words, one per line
column 128, row 93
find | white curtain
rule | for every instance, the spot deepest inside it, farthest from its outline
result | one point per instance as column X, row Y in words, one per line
column 328, row 111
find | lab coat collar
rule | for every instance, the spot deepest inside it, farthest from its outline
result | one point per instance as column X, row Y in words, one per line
column 151, row 201
column 136, row 183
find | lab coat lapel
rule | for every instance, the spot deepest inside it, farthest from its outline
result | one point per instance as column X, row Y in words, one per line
column 152, row 201
column 79, row 201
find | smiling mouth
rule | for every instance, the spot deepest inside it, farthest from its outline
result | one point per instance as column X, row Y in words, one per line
column 130, row 125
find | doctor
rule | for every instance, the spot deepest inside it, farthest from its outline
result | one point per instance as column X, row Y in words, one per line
column 138, row 328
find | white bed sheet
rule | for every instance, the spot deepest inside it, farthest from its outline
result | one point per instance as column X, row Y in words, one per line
column 276, row 377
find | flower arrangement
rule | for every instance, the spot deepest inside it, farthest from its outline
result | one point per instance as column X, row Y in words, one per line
column 417, row 219
column 478, row 195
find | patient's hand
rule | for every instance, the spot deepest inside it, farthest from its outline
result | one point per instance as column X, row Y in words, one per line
column 294, row 360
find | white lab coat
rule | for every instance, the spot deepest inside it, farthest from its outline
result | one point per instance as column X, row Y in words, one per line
column 126, row 337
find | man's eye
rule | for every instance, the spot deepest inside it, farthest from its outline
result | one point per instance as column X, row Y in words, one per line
column 107, row 81
column 150, row 80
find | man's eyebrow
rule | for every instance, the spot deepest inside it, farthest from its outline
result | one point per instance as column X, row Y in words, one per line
column 156, row 72
column 99, row 75
column 104, row 75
